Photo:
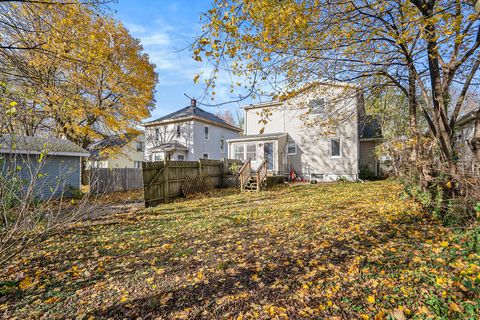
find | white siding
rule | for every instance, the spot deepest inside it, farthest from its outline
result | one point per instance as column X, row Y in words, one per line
column 212, row 146
column 313, row 136
column 128, row 155
column 168, row 133
column 193, row 137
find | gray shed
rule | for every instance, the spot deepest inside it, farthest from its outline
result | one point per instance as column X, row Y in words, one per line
column 50, row 167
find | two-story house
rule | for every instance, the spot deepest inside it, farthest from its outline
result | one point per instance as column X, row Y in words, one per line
column 465, row 142
column 188, row 134
column 320, row 132
column 117, row 151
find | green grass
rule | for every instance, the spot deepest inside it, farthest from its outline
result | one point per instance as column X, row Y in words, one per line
column 303, row 251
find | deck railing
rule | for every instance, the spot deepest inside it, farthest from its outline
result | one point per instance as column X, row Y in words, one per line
column 261, row 174
column 244, row 174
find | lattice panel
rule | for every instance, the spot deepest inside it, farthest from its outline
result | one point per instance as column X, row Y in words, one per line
column 198, row 183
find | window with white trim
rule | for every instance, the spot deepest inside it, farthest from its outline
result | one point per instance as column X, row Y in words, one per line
column 239, row 152
column 206, row 132
column 157, row 134
column 252, row 151
column 137, row 164
column 140, row 146
column 336, row 148
column 291, row 148
column 205, row 156
column 158, row 156
column 180, row 157
column 179, row 131
column 317, row 105
column 222, row 145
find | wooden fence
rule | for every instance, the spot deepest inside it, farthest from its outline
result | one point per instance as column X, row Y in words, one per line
column 104, row 180
column 164, row 180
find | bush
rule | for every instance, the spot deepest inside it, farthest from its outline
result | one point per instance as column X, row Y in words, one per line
column 367, row 174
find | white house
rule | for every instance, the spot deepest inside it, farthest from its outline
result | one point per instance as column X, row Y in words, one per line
column 321, row 132
column 465, row 142
column 117, row 151
column 188, row 134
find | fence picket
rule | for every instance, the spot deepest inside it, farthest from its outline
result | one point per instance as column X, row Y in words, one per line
column 159, row 188
column 104, row 180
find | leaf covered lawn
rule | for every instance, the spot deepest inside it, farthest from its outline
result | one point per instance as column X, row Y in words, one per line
column 341, row 251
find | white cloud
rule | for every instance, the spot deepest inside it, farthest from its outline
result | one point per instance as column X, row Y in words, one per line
column 135, row 29
column 161, row 39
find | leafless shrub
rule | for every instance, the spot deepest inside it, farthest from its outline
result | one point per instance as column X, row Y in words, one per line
column 34, row 205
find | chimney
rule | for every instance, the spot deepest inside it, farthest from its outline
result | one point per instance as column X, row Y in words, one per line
column 193, row 103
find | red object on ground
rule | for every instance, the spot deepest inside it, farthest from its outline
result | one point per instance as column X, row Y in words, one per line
column 292, row 174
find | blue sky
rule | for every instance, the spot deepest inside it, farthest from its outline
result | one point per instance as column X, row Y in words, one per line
column 164, row 27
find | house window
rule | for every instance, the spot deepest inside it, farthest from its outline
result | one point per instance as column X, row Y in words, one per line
column 336, row 151
column 206, row 128
column 181, row 157
column 205, row 156
column 239, row 152
column 158, row 156
column 252, row 151
column 179, row 132
column 137, row 164
column 292, row 148
column 157, row 134
column 140, row 146
column 222, row 145
column 317, row 105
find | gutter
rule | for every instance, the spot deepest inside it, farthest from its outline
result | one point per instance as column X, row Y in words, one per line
column 30, row 152
column 185, row 119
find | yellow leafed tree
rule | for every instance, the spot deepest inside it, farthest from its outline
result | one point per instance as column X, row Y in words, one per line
column 90, row 76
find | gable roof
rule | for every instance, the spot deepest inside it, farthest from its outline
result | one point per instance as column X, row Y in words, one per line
column 109, row 142
column 370, row 127
column 38, row 145
column 112, row 141
column 189, row 113
column 470, row 116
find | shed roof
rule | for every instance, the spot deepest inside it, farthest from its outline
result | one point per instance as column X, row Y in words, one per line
column 190, row 112
column 38, row 145
column 265, row 136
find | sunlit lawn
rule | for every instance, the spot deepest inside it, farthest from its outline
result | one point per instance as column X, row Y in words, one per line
column 306, row 251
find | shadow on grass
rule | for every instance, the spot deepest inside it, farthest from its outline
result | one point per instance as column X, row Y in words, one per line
column 289, row 267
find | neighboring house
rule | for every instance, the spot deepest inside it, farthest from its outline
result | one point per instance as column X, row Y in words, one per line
column 118, row 151
column 321, row 132
column 52, row 167
column 464, row 135
column 188, row 134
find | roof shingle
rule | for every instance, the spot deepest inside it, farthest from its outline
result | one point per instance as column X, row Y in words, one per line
column 190, row 112
column 36, row 145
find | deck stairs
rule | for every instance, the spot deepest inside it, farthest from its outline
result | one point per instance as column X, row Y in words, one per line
column 250, row 180
column 252, row 184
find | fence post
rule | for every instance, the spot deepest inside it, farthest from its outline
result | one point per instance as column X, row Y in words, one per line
column 222, row 167
column 165, row 179
column 199, row 167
